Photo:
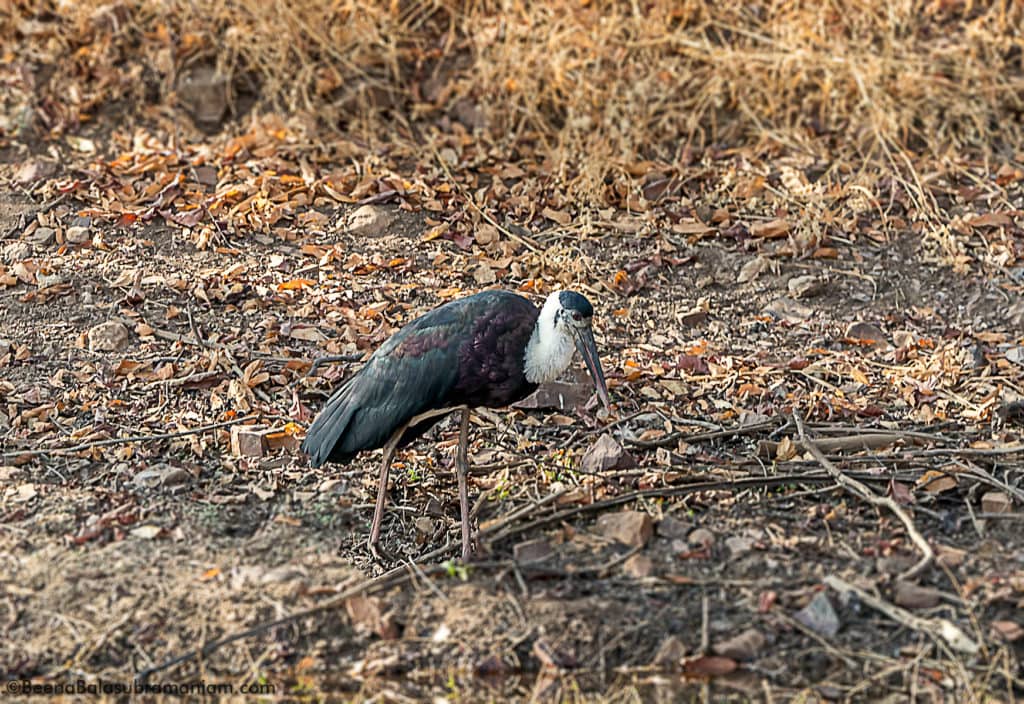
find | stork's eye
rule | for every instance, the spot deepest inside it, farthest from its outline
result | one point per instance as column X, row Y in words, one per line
column 576, row 316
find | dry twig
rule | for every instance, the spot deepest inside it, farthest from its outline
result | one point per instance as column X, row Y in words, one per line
column 861, row 491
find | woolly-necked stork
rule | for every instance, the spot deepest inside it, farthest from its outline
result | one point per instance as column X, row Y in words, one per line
column 489, row 349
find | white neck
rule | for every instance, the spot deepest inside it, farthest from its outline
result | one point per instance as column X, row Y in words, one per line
column 550, row 350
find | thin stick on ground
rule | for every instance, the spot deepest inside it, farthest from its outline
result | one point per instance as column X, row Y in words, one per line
column 131, row 438
column 861, row 491
column 944, row 631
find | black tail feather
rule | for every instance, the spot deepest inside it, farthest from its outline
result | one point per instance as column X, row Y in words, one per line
column 329, row 427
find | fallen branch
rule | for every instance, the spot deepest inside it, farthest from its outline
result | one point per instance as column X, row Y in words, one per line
column 665, row 492
column 131, row 438
column 938, row 628
column 865, row 441
column 861, row 491
column 672, row 438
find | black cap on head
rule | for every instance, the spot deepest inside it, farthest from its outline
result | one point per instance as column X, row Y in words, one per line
column 571, row 300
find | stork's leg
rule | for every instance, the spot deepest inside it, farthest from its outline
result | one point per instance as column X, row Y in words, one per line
column 461, row 469
column 382, row 493
column 382, row 489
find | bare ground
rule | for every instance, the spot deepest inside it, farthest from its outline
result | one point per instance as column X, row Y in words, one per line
column 127, row 555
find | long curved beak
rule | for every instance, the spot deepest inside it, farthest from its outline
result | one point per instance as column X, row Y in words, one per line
column 588, row 350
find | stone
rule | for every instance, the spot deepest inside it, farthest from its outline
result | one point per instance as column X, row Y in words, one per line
column 996, row 502
column 820, row 616
column 35, row 170
column 910, row 595
column 752, row 269
column 788, row 310
column 248, row 440
column 701, row 538
column 532, row 550
column 633, row 528
column 671, row 527
column 161, row 475
column 739, row 545
column 369, row 221
column 670, row 653
column 606, row 454
column 744, row 646
column 638, row 566
column 42, row 237
column 203, row 92
column 805, row 286
column 367, row 614
column 110, row 336
column 78, row 235
column 868, row 332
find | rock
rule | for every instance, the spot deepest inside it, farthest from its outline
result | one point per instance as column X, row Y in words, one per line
column 161, row 475
column 672, row 527
column 110, row 336
column 203, row 92
column 78, row 235
column 9, row 473
column 606, row 454
column 867, row 332
column 639, row 566
column 370, row 221
column 701, row 538
column 670, row 653
column 996, row 502
column 789, row 310
column 738, row 545
column 745, row 646
column 248, row 440
column 17, row 251
column 42, row 237
column 805, row 286
column 819, row 616
column 752, row 269
column 633, row 528
column 910, row 595
column 896, row 563
column 484, row 275
column 47, row 280
column 951, row 557
column 1008, row 631
column 35, row 170
column 367, row 614
column 532, row 550
column 424, row 525
column 1015, row 355
column 558, row 395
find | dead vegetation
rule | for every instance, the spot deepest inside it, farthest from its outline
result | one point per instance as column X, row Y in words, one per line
column 801, row 223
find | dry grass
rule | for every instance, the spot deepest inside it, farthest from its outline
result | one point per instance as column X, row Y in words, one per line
column 596, row 86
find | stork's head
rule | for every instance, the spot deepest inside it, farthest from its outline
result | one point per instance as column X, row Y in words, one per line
column 565, row 322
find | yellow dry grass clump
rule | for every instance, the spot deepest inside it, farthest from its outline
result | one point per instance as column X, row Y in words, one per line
column 595, row 86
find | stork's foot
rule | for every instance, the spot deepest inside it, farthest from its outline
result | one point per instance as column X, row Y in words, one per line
column 379, row 553
column 470, row 550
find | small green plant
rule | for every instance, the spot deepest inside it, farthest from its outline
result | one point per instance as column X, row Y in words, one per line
column 412, row 475
column 455, row 569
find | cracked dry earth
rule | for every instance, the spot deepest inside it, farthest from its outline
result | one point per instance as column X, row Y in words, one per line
column 708, row 578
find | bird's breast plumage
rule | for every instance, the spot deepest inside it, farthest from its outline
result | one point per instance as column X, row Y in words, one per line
column 491, row 358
